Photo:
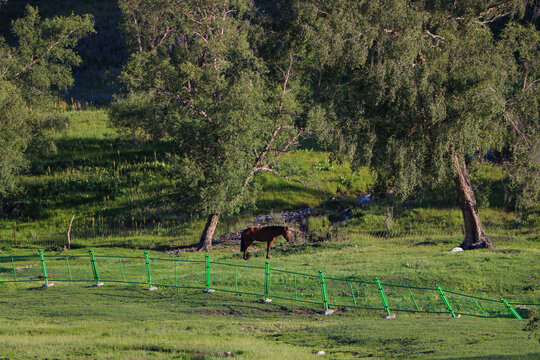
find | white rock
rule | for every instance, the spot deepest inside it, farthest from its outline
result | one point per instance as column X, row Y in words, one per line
column 456, row 249
column 320, row 352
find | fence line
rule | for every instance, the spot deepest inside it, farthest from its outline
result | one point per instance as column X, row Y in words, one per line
column 288, row 285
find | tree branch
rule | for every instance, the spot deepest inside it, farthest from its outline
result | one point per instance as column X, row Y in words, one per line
column 260, row 158
column 5, row 72
column 49, row 49
column 493, row 8
column 184, row 102
column 286, row 76
column 493, row 19
column 167, row 32
column 434, row 36
column 516, row 129
column 530, row 85
column 138, row 36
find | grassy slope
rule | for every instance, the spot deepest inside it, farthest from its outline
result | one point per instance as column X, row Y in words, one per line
column 105, row 181
column 123, row 321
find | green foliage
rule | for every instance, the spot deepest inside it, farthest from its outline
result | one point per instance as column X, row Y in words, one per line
column 520, row 42
column 196, row 77
column 41, row 61
column 102, row 52
column 488, row 180
column 406, row 88
column 390, row 84
column 14, row 136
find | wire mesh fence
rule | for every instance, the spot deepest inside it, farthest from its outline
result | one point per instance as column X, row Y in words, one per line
column 264, row 282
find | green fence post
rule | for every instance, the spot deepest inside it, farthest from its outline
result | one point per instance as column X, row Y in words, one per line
column 352, row 293
column 383, row 297
column 14, row 270
column 512, row 310
column 477, row 304
column 445, row 300
column 207, row 271
column 175, row 273
column 147, row 262
column 414, row 301
column 266, row 283
column 326, row 311
column 95, row 270
column 44, row 269
column 207, row 275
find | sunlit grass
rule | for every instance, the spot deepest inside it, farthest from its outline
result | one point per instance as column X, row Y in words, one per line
column 73, row 320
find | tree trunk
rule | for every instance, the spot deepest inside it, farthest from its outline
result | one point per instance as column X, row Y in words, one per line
column 475, row 237
column 205, row 243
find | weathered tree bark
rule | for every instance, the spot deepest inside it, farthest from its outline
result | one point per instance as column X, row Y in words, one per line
column 205, row 243
column 475, row 237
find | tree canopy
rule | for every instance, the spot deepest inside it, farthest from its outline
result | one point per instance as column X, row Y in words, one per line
column 415, row 87
column 197, row 77
column 31, row 69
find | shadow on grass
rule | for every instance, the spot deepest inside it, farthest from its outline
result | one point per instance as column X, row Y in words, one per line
column 88, row 152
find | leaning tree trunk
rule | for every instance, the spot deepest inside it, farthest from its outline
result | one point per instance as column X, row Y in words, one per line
column 205, row 243
column 475, row 237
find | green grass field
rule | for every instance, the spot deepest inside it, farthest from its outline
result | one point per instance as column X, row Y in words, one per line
column 118, row 322
column 124, row 321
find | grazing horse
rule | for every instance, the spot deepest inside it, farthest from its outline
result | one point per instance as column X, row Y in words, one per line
column 268, row 234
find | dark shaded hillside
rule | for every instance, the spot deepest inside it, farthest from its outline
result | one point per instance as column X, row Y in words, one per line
column 103, row 53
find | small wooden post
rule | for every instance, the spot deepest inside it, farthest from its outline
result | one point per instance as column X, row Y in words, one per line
column 337, row 232
column 124, row 227
column 69, row 232
column 15, row 236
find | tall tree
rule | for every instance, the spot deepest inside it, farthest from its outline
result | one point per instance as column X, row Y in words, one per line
column 414, row 87
column 198, row 79
column 520, row 41
column 31, row 69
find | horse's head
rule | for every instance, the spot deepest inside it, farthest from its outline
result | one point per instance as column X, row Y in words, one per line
column 244, row 242
column 287, row 233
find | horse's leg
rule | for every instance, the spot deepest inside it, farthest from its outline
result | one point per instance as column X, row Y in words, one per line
column 248, row 243
column 268, row 248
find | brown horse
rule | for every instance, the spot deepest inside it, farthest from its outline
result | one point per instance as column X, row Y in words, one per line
column 268, row 234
